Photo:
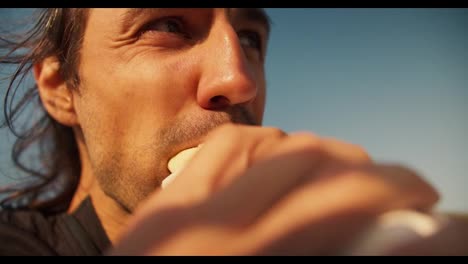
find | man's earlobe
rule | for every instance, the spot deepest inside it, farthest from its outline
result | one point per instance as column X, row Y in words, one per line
column 56, row 96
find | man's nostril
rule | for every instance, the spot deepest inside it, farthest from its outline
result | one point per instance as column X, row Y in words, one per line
column 219, row 101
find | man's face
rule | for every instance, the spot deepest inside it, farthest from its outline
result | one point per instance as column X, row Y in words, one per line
column 155, row 81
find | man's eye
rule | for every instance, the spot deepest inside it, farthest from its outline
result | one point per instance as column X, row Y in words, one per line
column 250, row 39
column 173, row 25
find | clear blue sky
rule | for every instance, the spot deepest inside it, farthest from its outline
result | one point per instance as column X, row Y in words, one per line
column 392, row 80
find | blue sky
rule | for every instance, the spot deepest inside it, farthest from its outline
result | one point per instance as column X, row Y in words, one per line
column 392, row 80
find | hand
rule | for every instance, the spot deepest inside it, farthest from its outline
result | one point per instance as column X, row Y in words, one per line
column 256, row 190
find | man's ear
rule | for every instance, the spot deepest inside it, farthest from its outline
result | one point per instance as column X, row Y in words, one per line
column 56, row 97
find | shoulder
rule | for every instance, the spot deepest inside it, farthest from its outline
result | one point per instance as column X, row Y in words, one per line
column 28, row 220
column 22, row 232
column 31, row 232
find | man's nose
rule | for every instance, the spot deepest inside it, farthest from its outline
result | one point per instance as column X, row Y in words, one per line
column 227, row 78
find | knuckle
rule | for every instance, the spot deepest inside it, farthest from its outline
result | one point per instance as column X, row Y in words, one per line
column 310, row 139
column 308, row 142
column 361, row 153
column 226, row 131
column 227, row 127
column 426, row 191
column 416, row 185
column 274, row 132
column 225, row 136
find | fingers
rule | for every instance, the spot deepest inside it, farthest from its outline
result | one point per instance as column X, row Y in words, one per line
column 271, row 164
column 226, row 153
column 264, row 183
column 346, row 152
column 267, row 192
column 328, row 212
column 230, row 149
column 338, row 149
column 416, row 193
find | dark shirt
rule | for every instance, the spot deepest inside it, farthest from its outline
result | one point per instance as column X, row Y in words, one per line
column 24, row 232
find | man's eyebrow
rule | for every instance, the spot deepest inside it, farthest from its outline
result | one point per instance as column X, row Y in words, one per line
column 132, row 14
column 256, row 15
column 251, row 14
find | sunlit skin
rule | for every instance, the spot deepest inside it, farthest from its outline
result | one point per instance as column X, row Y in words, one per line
column 154, row 82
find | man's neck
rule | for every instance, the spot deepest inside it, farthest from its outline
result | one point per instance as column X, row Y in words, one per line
column 113, row 217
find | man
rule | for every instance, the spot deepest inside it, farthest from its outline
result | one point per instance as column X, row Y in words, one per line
column 125, row 90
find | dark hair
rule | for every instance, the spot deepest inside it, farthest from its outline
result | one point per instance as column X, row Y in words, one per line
column 57, row 32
